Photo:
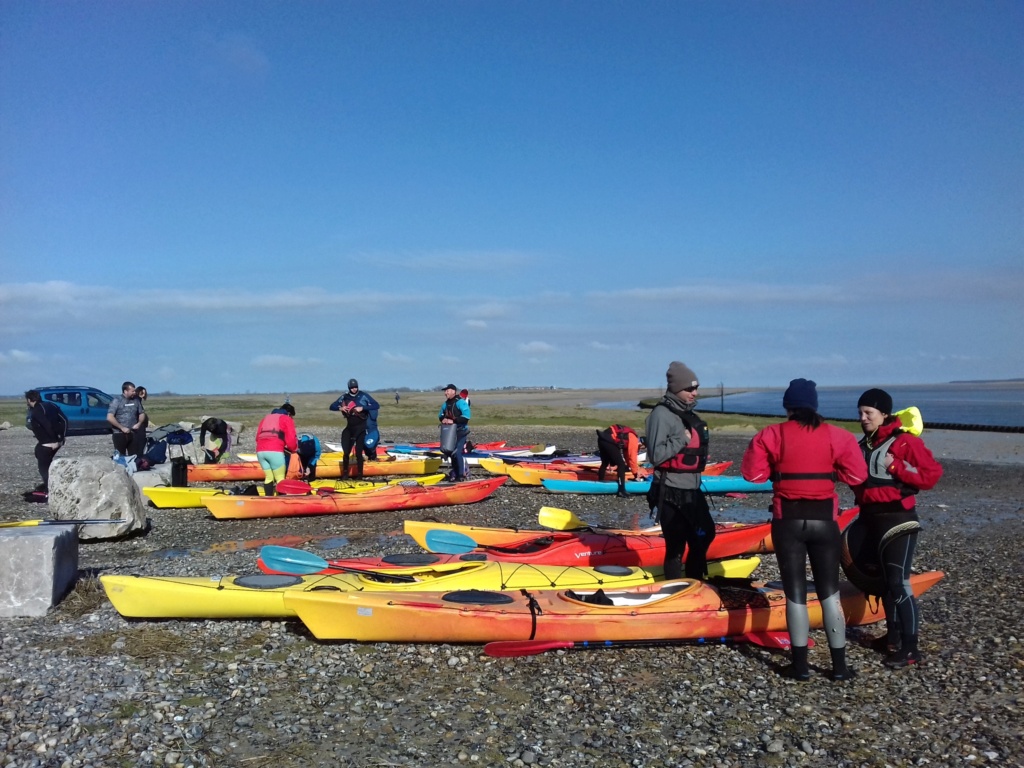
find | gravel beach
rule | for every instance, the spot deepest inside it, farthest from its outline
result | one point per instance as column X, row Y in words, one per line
column 85, row 687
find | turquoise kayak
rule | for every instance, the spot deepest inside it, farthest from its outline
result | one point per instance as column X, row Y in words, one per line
column 710, row 484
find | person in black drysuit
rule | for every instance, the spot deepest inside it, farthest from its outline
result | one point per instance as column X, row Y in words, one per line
column 355, row 405
column 50, row 426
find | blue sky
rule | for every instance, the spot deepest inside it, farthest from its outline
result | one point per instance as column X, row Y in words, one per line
column 277, row 196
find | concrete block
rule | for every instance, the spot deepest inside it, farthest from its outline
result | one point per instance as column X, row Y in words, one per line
column 38, row 566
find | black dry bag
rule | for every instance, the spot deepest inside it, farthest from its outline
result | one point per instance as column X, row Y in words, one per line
column 179, row 472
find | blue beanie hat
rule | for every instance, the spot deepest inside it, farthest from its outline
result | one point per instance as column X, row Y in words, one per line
column 801, row 394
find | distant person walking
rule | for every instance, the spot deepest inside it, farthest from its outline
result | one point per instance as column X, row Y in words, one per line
column 803, row 457
column 396, row 398
column 50, row 427
column 455, row 411
column 358, row 408
column 127, row 416
column 899, row 465
column 677, row 446
column 275, row 440
column 618, row 446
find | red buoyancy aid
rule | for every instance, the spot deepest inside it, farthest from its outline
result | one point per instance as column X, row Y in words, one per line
column 694, row 455
column 806, row 467
column 271, row 434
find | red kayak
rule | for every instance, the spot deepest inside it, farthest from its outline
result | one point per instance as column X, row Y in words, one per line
column 589, row 547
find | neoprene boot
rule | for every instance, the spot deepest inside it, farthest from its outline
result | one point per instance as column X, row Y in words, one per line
column 799, row 669
column 270, row 489
column 839, row 669
column 907, row 655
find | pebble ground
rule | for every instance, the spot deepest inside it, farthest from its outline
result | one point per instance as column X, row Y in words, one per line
column 85, row 687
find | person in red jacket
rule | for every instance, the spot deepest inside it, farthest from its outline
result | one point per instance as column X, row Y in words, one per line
column 803, row 457
column 899, row 465
column 275, row 442
column 618, row 445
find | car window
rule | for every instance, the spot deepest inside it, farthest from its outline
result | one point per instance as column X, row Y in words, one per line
column 98, row 400
column 66, row 398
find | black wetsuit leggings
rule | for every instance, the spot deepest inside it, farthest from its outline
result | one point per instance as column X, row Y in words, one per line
column 796, row 541
column 688, row 528
column 901, row 614
column 611, row 455
column 44, row 458
column 353, row 437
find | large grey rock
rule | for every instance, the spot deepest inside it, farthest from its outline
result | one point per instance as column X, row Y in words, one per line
column 160, row 474
column 38, row 566
column 96, row 488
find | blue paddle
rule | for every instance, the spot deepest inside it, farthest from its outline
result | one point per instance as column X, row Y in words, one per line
column 449, row 542
column 302, row 563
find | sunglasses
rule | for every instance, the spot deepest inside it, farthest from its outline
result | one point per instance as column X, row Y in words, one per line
column 690, row 389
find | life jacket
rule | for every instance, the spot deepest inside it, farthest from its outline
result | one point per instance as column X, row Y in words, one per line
column 878, row 473
column 629, row 443
column 694, row 455
column 620, row 434
column 271, row 427
column 805, row 468
column 452, row 410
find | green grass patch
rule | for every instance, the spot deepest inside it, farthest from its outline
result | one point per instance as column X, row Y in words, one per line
column 416, row 410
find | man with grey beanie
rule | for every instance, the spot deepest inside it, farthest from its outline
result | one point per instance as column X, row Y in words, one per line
column 677, row 446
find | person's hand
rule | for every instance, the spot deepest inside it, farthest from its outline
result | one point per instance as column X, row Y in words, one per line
column 889, row 460
column 125, row 431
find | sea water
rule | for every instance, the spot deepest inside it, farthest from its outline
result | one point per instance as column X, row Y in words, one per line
column 999, row 404
column 990, row 404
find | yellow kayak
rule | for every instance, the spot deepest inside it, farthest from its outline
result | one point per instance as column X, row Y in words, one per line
column 262, row 595
column 190, row 497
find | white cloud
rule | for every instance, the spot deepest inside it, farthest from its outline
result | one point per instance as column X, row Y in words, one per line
column 18, row 357
column 476, row 324
column 536, row 347
column 283, row 361
column 394, row 358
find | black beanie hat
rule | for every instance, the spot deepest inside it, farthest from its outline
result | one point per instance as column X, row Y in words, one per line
column 353, row 383
column 878, row 399
column 801, row 394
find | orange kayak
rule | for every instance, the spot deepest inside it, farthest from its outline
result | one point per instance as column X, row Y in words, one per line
column 389, row 497
column 671, row 610
column 592, row 546
column 251, row 470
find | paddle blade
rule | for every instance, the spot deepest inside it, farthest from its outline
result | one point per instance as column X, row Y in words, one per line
column 510, row 648
column 911, row 420
column 448, row 542
column 294, row 561
column 294, row 488
column 30, row 523
column 559, row 519
column 778, row 640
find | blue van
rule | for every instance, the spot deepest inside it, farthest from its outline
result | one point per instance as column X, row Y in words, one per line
column 84, row 407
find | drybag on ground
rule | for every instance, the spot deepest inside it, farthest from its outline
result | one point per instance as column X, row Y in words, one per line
column 179, row 472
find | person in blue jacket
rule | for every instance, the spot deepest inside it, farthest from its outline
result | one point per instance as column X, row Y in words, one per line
column 359, row 410
column 455, row 410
